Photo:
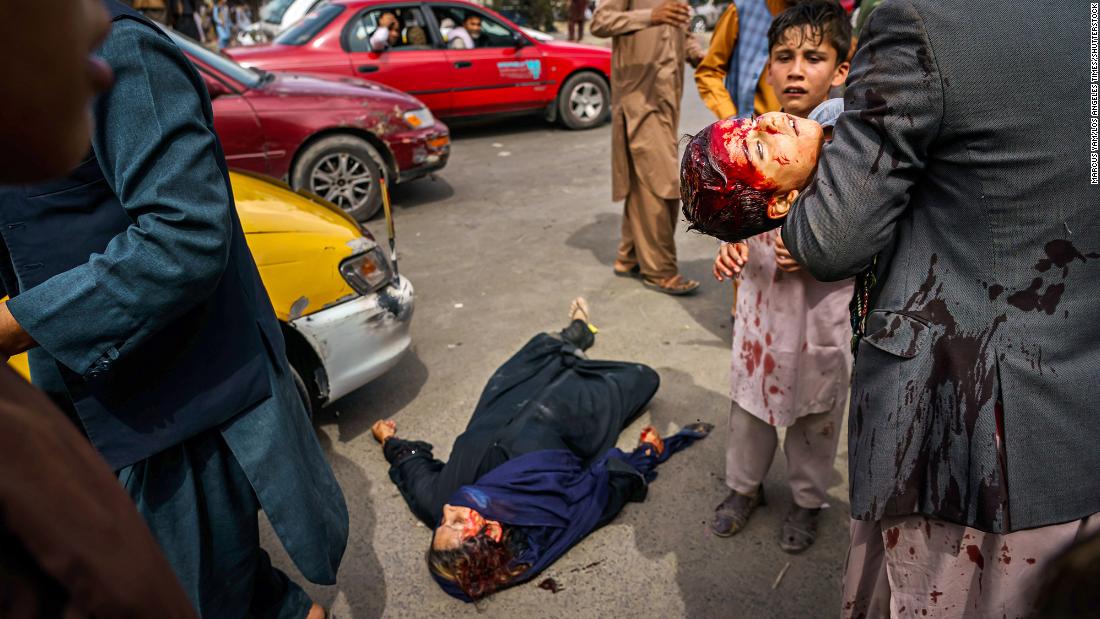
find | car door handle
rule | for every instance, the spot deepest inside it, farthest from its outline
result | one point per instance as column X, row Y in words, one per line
column 368, row 68
column 463, row 64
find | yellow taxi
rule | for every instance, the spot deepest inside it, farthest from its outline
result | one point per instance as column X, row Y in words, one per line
column 344, row 312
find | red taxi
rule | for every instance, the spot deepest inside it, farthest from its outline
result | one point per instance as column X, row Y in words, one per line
column 336, row 137
column 505, row 71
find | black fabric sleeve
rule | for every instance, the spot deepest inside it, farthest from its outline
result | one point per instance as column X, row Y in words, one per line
column 626, row 485
column 413, row 469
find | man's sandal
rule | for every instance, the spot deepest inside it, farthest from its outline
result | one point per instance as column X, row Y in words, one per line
column 675, row 285
column 733, row 513
column 799, row 530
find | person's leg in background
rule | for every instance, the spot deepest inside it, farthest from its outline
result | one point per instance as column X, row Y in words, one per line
column 652, row 221
column 810, row 446
column 750, row 447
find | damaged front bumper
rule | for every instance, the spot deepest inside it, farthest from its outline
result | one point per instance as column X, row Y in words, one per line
column 359, row 340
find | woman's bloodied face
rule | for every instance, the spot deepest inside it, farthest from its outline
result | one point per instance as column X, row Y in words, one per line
column 774, row 152
column 461, row 523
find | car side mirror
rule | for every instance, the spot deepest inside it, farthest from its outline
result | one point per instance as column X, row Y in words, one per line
column 519, row 40
column 216, row 88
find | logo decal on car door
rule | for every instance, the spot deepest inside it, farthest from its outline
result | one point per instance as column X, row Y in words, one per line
column 520, row 69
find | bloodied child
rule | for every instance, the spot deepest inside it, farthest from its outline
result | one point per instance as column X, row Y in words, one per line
column 791, row 359
column 972, row 232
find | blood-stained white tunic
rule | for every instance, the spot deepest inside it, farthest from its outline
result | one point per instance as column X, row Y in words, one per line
column 792, row 339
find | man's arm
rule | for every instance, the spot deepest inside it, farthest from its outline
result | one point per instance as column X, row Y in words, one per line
column 160, row 158
column 710, row 75
column 612, row 19
column 893, row 111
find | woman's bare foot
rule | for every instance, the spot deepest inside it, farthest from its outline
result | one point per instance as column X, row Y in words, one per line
column 578, row 310
column 651, row 437
column 316, row 612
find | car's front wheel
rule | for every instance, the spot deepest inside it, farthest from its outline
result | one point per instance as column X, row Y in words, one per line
column 344, row 170
column 584, row 101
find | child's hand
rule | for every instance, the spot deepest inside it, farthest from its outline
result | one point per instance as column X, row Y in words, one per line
column 783, row 258
column 731, row 259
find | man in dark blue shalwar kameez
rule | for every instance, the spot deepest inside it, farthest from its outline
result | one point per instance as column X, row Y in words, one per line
column 145, row 319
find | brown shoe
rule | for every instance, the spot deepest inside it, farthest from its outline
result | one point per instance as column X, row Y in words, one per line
column 675, row 285
column 799, row 530
column 733, row 513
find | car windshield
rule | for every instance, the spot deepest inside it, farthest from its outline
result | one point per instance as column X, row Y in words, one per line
column 250, row 78
column 273, row 11
column 304, row 31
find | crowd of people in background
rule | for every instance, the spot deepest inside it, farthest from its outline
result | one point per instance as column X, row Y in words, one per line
column 214, row 23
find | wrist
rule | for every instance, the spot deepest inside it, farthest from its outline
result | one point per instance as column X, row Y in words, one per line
column 13, row 339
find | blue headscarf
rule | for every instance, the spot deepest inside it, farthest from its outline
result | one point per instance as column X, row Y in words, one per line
column 554, row 498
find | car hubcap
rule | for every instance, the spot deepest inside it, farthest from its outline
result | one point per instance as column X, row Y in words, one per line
column 699, row 26
column 586, row 101
column 343, row 180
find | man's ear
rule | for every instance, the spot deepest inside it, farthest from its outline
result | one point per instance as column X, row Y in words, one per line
column 780, row 204
column 840, row 74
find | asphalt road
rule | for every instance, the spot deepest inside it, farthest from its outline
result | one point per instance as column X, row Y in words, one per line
column 518, row 224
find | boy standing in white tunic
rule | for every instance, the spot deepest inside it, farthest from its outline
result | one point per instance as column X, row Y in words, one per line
column 791, row 347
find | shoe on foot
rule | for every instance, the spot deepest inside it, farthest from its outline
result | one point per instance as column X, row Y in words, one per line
column 675, row 285
column 799, row 529
column 733, row 513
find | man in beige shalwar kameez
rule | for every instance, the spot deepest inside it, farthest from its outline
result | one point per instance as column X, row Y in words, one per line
column 650, row 45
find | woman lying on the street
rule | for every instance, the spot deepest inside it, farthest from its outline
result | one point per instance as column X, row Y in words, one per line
column 536, row 469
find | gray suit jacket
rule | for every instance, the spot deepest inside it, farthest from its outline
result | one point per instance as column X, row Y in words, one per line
column 961, row 161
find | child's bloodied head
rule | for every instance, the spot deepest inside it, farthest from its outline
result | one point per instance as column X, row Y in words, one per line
column 739, row 177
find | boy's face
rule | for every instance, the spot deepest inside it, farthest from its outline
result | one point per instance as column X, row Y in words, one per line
column 774, row 151
column 802, row 68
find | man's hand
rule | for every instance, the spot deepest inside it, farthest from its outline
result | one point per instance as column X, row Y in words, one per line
column 388, row 20
column 13, row 339
column 383, row 430
column 783, row 258
column 671, row 13
column 731, row 259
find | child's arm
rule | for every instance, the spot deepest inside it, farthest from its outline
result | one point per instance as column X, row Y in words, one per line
column 893, row 110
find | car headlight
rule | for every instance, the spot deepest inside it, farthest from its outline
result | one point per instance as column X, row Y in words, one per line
column 368, row 271
column 419, row 119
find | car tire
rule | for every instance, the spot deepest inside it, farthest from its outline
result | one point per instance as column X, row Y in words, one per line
column 303, row 393
column 584, row 101
column 344, row 170
column 698, row 25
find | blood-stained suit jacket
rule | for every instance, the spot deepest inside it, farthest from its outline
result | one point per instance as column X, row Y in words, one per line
column 976, row 383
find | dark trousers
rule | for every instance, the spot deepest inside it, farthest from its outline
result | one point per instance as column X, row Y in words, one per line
column 203, row 512
column 578, row 25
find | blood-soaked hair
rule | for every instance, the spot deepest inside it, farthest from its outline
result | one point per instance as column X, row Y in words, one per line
column 481, row 565
column 726, row 208
column 826, row 21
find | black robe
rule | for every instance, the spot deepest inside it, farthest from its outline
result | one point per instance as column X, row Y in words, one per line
column 545, row 397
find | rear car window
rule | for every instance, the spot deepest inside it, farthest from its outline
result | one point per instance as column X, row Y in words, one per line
column 313, row 23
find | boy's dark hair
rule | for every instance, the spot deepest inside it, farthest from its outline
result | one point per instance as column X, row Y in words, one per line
column 712, row 204
column 827, row 20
